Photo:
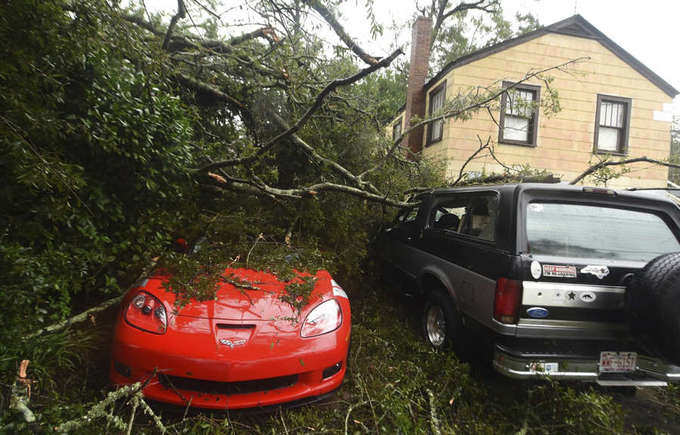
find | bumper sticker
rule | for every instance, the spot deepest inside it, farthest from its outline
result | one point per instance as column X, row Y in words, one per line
column 536, row 269
column 557, row 271
column 543, row 367
column 599, row 271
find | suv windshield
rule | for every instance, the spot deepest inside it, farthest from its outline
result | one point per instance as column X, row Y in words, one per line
column 585, row 231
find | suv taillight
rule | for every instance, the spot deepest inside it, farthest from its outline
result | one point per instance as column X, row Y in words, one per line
column 507, row 300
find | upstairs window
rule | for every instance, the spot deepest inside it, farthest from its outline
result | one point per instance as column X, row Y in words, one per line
column 435, row 130
column 519, row 115
column 611, row 124
column 396, row 129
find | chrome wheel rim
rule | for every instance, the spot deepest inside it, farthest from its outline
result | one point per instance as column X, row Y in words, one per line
column 435, row 324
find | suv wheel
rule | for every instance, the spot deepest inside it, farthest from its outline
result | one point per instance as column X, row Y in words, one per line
column 441, row 322
column 653, row 298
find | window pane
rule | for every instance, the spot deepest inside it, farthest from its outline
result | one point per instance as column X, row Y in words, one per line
column 608, row 139
column 519, row 103
column 516, row 128
column 479, row 219
column 408, row 215
column 449, row 215
column 611, row 114
column 584, row 231
column 437, row 100
column 437, row 129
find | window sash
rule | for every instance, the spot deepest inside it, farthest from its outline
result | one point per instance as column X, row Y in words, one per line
column 516, row 128
column 437, row 129
column 438, row 100
column 609, row 139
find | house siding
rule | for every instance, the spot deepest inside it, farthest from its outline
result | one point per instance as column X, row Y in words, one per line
column 565, row 140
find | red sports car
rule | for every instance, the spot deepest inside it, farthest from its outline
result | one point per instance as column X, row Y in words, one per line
column 246, row 348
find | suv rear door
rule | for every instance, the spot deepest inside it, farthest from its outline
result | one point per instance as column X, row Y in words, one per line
column 579, row 251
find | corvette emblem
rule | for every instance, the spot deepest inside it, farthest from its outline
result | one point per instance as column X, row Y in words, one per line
column 231, row 343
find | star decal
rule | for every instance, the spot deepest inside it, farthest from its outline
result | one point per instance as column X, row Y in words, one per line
column 572, row 296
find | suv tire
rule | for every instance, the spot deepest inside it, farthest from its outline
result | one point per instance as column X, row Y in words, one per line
column 653, row 299
column 441, row 322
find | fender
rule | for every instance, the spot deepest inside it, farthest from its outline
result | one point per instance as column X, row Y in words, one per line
column 436, row 273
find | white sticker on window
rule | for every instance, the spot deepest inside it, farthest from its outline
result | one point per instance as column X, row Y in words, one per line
column 536, row 269
column 537, row 208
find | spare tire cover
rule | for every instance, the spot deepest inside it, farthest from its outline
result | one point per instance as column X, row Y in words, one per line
column 653, row 300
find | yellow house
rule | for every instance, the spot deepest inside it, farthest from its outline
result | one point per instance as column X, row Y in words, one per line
column 610, row 104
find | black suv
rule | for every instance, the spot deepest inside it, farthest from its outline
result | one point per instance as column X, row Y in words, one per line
column 566, row 281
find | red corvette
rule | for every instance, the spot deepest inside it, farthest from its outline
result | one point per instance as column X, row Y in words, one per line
column 246, row 348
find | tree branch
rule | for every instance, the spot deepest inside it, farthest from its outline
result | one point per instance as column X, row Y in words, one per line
column 318, row 157
column 332, row 86
column 482, row 146
column 605, row 163
column 179, row 42
column 181, row 13
column 442, row 14
column 340, row 31
column 493, row 96
column 313, row 190
column 453, row 113
column 146, row 25
column 196, row 85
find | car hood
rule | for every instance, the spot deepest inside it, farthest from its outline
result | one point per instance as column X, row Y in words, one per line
column 239, row 304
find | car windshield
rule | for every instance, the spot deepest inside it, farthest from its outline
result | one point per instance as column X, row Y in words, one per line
column 585, row 231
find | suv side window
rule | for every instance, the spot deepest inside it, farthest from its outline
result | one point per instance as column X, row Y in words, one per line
column 470, row 214
column 407, row 216
column 448, row 214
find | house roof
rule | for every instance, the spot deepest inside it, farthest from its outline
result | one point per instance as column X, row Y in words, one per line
column 575, row 26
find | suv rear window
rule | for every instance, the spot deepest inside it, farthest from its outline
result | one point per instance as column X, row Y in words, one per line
column 585, row 231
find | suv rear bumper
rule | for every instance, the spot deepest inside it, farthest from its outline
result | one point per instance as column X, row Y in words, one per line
column 520, row 364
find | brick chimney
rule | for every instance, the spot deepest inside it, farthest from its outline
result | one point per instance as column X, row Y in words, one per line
column 415, row 94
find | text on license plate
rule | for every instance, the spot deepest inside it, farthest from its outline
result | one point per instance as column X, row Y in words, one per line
column 617, row 362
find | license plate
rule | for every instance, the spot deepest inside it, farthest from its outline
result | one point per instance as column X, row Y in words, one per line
column 618, row 362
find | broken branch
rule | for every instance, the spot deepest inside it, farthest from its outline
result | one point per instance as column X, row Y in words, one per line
column 605, row 163
column 181, row 13
column 331, row 87
column 340, row 31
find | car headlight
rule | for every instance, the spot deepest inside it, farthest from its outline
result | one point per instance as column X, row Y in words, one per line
column 324, row 318
column 147, row 313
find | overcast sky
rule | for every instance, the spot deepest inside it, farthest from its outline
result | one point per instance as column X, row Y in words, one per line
column 648, row 30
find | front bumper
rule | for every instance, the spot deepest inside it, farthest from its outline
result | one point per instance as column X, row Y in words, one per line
column 188, row 366
column 522, row 363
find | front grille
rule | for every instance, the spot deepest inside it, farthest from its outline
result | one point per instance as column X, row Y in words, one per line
column 227, row 388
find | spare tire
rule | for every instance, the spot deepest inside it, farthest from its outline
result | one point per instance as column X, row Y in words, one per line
column 653, row 300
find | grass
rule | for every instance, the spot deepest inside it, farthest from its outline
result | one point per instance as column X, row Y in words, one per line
column 395, row 384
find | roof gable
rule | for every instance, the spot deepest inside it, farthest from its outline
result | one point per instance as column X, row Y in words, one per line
column 573, row 26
